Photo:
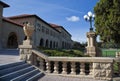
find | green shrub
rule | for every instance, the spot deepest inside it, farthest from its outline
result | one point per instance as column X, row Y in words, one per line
column 62, row 52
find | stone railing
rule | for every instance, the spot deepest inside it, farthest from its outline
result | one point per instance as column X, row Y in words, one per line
column 94, row 67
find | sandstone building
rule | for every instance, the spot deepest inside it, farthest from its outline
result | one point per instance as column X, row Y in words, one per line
column 45, row 34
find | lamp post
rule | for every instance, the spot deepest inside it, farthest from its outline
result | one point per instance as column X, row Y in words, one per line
column 90, row 18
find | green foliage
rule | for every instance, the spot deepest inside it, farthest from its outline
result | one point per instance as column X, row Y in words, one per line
column 107, row 21
column 69, row 53
column 78, row 45
column 115, row 67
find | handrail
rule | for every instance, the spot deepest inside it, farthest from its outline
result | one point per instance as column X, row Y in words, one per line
column 75, row 59
column 40, row 54
column 96, row 66
column 81, row 59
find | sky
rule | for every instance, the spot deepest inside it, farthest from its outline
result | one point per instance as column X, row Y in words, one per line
column 66, row 13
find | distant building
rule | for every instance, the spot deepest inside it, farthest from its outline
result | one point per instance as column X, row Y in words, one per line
column 45, row 35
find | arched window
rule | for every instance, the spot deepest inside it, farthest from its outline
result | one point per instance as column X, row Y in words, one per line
column 46, row 43
column 50, row 44
column 54, row 44
column 63, row 45
column 41, row 42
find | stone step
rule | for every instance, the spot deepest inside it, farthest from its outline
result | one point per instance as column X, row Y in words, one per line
column 26, row 76
column 36, row 77
column 16, row 73
column 19, row 71
column 10, row 65
column 12, row 69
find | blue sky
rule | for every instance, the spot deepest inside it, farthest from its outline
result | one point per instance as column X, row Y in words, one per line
column 67, row 13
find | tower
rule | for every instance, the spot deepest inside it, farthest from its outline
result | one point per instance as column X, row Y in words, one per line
column 2, row 5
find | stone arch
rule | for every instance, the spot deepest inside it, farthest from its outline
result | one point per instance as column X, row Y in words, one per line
column 12, row 41
column 62, row 44
column 50, row 44
column 54, row 44
column 46, row 43
column 41, row 42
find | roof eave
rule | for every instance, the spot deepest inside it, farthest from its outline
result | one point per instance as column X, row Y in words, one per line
column 4, row 4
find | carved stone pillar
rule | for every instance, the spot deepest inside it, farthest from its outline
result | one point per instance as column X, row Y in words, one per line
column 41, row 64
column 92, row 49
column 82, row 68
column 56, row 67
column 48, row 67
column 64, row 68
column 103, row 71
column 35, row 60
column 73, row 72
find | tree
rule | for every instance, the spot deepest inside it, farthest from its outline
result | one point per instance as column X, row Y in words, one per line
column 107, row 21
column 78, row 45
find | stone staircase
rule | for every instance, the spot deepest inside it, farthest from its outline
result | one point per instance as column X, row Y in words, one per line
column 19, row 71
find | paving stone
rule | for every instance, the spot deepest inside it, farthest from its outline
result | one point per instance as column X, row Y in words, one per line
column 9, row 56
column 63, row 78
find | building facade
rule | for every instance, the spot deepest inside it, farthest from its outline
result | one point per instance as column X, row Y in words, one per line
column 45, row 34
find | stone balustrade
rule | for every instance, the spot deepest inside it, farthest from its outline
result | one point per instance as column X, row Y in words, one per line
column 94, row 67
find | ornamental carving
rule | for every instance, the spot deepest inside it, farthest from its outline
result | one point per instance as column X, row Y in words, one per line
column 96, row 65
column 102, row 70
column 28, row 30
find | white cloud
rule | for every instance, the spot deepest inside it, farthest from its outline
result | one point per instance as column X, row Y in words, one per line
column 73, row 18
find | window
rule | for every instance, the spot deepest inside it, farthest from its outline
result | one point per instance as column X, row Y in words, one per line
column 47, row 31
column 43, row 29
column 25, row 22
column 38, row 26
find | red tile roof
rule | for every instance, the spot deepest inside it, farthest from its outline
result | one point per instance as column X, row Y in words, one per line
column 21, row 16
column 58, row 26
column 8, row 20
column 54, row 25
column 30, row 15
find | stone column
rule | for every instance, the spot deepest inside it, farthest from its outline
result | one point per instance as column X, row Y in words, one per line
column 56, row 67
column 35, row 60
column 48, row 67
column 26, row 51
column 82, row 68
column 92, row 49
column 41, row 64
column 73, row 72
column 64, row 68
column 88, row 42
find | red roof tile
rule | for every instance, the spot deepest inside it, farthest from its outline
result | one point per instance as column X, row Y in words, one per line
column 8, row 20
column 30, row 15
column 54, row 25
column 21, row 16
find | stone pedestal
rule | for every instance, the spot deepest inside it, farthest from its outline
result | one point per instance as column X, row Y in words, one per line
column 92, row 49
column 103, row 71
column 26, row 51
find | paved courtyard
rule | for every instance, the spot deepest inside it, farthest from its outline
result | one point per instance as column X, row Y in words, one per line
column 9, row 56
